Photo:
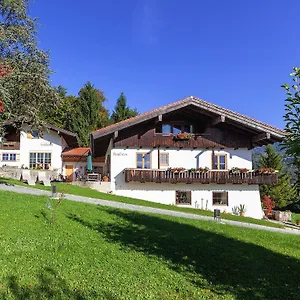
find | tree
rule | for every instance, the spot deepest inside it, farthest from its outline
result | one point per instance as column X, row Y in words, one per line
column 90, row 113
column 25, row 91
column 292, row 119
column 122, row 111
column 63, row 112
column 282, row 192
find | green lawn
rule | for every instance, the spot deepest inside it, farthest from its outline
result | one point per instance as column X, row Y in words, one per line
column 94, row 252
column 88, row 192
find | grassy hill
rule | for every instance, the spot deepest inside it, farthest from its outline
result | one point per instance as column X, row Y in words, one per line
column 93, row 252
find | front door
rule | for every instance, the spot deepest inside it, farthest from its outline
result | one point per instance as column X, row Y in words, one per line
column 69, row 173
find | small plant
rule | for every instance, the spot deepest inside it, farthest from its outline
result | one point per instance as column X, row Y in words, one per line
column 176, row 169
column 242, row 209
column 297, row 220
column 183, row 136
column 261, row 171
column 235, row 210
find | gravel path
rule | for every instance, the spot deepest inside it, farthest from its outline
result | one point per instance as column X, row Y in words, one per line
column 33, row 191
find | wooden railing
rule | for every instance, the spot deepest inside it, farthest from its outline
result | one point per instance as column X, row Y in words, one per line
column 10, row 146
column 218, row 177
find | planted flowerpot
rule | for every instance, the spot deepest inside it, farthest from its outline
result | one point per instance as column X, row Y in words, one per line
column 242, row 214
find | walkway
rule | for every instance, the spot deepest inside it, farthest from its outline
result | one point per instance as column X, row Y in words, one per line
column 33, row 191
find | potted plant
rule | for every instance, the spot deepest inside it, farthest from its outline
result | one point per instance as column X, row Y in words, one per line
column 242, row 210
column 183, row 136
column 105, row 178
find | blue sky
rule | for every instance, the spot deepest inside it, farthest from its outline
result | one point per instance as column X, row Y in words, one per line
column 233, row 53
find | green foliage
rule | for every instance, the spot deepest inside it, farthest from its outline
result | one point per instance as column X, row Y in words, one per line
column 122, row 111
column 81, row 114
column 24, row 69
column 292, row 120
column 283, row 192
column 102, row 253
column 90, row 113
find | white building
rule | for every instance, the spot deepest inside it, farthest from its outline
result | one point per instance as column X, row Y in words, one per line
column 190, row 153
column 32, row 150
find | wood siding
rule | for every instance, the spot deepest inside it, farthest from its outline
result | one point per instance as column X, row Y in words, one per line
column 211, row 138
column 10, row 146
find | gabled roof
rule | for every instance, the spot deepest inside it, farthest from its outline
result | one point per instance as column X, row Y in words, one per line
column 83, row 152
column 201, row 104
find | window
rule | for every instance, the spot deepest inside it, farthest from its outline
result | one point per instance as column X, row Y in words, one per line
column 166, row 128
column 177, row 129
column 143, row 161
column 174, row 128
column 40, row 161
column 184, row 197
column 187, row 128
column 9, row 156
column 220, row 198
column 219, row 162
column 164, row 159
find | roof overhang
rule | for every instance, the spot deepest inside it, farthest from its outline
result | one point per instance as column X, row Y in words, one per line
column 221, row 115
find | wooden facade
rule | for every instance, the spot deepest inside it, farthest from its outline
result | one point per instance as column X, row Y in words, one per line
column 204, row 135
column 10, row 146
column 191, row 177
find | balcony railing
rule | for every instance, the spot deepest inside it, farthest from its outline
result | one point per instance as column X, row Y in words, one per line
column 10, row 146
column 217, row 177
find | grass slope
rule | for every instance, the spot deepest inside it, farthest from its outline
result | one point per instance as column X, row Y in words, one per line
column 88, row 192
column 94, row 252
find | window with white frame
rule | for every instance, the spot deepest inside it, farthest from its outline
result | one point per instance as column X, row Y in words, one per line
column 39, row 160
column 9, row 156
column 164, row 159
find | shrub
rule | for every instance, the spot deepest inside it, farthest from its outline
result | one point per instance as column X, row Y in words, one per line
column 268, row 204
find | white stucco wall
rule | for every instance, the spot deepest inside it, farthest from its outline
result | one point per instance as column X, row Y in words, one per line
column 15, row 163
column 51, row 142
column 201, row 194
column 187, row 158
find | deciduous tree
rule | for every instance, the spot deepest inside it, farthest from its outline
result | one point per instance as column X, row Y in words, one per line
column 25, row 90
column 292, row 120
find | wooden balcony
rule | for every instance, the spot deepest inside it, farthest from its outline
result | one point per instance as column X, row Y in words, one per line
column 214, row 177
column 10, row 146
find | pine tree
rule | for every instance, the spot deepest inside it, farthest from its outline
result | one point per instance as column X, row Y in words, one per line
column 122, row 111
column 90, row 113
column 282, row 192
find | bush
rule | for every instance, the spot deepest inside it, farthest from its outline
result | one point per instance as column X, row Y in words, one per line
column 268, row 204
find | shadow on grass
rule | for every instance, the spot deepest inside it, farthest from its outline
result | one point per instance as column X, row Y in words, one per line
column 50, row 286
column 242, row 269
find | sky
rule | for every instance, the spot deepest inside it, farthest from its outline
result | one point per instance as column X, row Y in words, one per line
column 234, row 53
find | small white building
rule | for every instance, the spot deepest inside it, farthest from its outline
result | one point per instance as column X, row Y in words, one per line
column 35, row 150
column 190, row 153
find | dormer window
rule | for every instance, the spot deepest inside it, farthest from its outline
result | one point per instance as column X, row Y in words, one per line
column 174, row 128
column 166, row 128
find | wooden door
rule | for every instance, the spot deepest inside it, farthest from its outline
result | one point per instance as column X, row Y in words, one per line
column 69, row 173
